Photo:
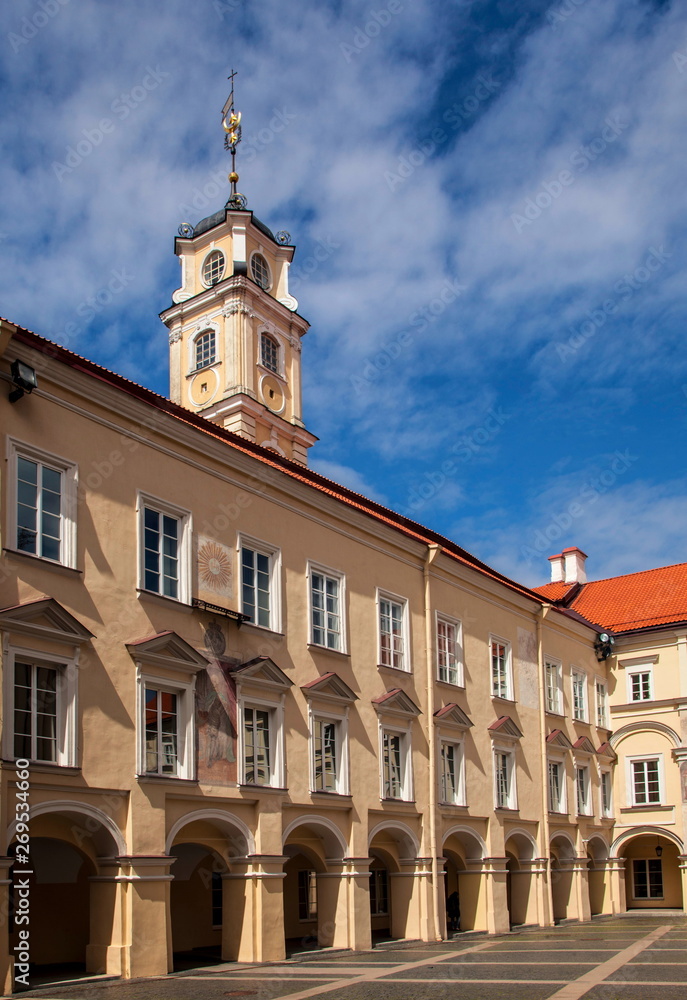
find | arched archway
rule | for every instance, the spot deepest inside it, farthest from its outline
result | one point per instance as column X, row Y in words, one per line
column 652, row 868
column 314, row 898
column 394, row 849
column 597, row 857
column 520, row 848
column 70, row 844
column 562, row 858
column 464, row 850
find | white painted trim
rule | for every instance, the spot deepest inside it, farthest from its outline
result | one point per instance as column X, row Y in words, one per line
column 184, row 518
column 333, row 574
column 68, row 806
column 509, row 696
column 222, row 818
column 273, row 553
column 459, row 650
column 407, row 834
column 186, row 748
column 387, row 595
column 315, row 821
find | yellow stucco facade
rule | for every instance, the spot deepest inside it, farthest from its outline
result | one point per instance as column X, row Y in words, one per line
column 259, row 710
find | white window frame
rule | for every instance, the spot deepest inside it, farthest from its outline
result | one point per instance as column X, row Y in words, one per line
column 404, row 659
column 583, row 798
column 561, row 805
column 144, row 500
column 267, row 335
column 340, row 721
column 276, row 723
column 601, row 703
column 259, row 253
column 511, row 797
column 66, row 708
column 606, row 807
column 638, row 671
column 340, row 579
column 186, row 743
column 458, row 798
column 273, row 554
column 69, row 470
column 580, row 714
column 630, row 775
column 497, row 688
column 222, row 275
column 554, row 706
column 405, row 751
column 456, row 653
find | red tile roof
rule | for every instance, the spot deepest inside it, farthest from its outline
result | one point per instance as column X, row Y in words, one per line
column 643, row 600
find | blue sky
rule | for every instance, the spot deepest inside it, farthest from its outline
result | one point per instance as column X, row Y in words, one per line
column 489, row 205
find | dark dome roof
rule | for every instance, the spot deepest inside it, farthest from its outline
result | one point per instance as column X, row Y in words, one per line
column 218, row 217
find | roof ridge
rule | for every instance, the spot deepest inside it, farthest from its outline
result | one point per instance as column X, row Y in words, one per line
column 639, row 572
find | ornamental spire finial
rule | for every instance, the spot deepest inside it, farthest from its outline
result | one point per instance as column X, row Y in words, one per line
column 231, row 123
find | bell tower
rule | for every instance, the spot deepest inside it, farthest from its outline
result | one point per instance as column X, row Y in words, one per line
column 234, row 330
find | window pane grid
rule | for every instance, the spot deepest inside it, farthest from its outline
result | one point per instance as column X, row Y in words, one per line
column 213, row 268
column 601, row 706
column 326, row 618
column 646, row 784
column 379, row 892
column 641, row 686
column 553, row 688
column 555, row 796
column 502, row 780
column 39, row 509
column 35, row 712
column 161, row 732
column 391, row 633
column 260, row 271
column 205, row 349
column 647, row 878
column 446, row 652
column 449, row 784
column 257, row 746
column 499, row 669
column 269, row 353
column 325, row 756
column 161, row 553
column 579, row 697
column 393, row 773
column 255, row 586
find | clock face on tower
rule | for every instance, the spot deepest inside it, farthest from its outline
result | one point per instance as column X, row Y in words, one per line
column 272, row 393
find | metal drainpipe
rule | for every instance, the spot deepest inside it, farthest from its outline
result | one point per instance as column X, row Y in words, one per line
column 543, row 612
column 432, row 552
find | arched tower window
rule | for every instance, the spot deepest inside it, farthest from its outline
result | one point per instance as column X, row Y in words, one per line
column 261, row 272
column 213, row 267
column 205, row 349
column 269, row 353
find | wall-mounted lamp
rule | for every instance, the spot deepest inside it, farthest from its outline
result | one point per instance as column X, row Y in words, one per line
column 23, row 378
column 659, row 850
column 604, row 645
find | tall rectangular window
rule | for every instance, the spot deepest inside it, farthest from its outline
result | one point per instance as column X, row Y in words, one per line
column 394, row 765
column 582, row 786
column 326, row 753
column 256, row 576
column 257, row 764
column 554, row 700
column 646, row 782
column 325, row 610
column 379, row 892
column 504, row 780
column 392, row 633
column 451, row 773
column 448, row 651
column 307, row 895
column 501, row 685
column 161, row 732
column 556, row 787
column 647, row 878
column 41, row 502
column 579, row 689
column 161, row 553
column 606, row 794
column 601, row 705
column 205, row 349
column 35, row 712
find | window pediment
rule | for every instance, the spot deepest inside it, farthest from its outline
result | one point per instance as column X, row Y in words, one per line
column 557, row 738
column 167, row 649
column 262, row 671
column 453, row 715
column 396, row 702
column 607, row 751
column 46, row 619
column 505, row 727
column 329, row 686
column 584, row 745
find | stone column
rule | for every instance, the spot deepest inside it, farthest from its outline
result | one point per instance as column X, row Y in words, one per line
column 253, row 909
column 682, row 864
column 580, row 888
column 6, row 959
column 538, row 907
column 106, row 950
column 411, row 903
column 147, row 947
column 495, row 872
column 343, row 905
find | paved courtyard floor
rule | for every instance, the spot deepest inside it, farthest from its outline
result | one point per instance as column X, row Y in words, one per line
column 609, row 959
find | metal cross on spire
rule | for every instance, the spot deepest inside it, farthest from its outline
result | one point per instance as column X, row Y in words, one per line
column 231, row 123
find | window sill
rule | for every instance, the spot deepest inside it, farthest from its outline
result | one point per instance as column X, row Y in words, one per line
column 262, row 630
column 501, row 697
column 650, row 807
column 557, row 715
column 454, row 805
column 165, row 779
column 44, row 767
column 269, row 371
column 203, row 368
column 560, row 816
column 47, row 563
column 247, row 787
column 315, row 647
column 149, row 595
column 510, row 810
column 317, row 792
column 396, row 670
column 450, row 684
column 400, row 802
